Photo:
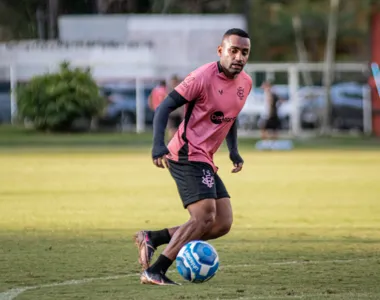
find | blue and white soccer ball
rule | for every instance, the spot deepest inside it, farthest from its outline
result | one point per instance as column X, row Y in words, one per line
column 197, row 261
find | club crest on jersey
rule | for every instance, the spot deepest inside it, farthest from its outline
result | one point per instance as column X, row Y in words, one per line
column 240, row 92
column 187, row 82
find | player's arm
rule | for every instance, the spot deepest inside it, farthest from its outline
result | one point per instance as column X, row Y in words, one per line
column 161, row 116
column 232, row 145
column 189, row 90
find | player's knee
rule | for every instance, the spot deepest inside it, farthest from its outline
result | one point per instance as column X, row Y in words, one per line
column 204, row 222
column 203, row 215
column 224, row 226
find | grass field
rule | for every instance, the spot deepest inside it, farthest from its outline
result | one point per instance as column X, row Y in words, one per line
column 306, row 225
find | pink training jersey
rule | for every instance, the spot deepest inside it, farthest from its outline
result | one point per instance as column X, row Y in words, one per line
column 214, row 102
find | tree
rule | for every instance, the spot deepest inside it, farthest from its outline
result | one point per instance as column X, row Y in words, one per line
column 54, row 101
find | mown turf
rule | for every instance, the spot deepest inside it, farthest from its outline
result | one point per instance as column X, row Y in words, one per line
column 307, row 224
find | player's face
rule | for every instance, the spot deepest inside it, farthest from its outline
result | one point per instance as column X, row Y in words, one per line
column 234, row 53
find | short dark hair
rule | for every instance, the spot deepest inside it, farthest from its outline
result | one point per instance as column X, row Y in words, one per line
column 236, row 31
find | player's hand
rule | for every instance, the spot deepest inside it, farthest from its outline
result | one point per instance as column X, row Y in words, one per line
column 159, row 156
column 237, row 167
column 161, row 162
column 237, row 161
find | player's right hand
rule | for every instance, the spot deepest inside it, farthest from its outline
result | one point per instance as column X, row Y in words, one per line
column 159, row 156
column 161, row 162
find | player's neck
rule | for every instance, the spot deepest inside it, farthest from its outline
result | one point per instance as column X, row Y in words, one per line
column 229, row 75
column 225, row 72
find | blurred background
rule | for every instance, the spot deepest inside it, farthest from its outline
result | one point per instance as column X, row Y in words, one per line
column 317, row 54
column 78, row 83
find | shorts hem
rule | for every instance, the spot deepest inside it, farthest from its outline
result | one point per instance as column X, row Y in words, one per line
column 226, row 195
column 198, row 198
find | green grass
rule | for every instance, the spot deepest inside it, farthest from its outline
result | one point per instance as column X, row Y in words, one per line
column 18, row 138
column 306, row 224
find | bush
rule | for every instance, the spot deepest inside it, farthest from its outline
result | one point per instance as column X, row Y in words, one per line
column 54, row 101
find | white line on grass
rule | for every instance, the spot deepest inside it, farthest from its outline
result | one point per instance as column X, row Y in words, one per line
column 13, row 293
column 275, row 297
column 305, row 296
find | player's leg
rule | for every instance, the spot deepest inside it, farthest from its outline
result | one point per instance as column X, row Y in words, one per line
column 196, row 186
column 202, row 217
column 220, row 227
column 224, row 218
column 147, row 242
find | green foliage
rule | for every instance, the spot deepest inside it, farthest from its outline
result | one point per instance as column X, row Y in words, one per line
column 53, row 101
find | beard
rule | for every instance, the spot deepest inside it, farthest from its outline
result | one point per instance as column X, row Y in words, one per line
column 234, row 71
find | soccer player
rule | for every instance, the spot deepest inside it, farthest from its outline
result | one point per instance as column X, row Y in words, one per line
column 213, row 96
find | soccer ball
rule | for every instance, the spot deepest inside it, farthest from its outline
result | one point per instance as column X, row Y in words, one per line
column 197, row 261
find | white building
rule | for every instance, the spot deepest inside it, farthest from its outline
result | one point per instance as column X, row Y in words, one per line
column 122, row 46
column 177, row 41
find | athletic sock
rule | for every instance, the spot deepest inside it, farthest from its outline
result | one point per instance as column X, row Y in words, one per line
column 159, row 237
column 161, row 265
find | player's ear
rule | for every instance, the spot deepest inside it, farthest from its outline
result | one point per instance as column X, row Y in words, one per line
column 219, row 50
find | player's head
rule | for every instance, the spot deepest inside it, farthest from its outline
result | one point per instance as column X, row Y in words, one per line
column 162, row 83
column 234, row 51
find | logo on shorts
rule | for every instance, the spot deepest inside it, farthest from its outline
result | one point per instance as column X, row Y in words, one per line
column 218, row 118
column 207, row 178
column 240, row 92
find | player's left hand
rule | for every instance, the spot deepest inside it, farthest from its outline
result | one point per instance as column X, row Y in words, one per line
column 237, row 167
column 237, row 161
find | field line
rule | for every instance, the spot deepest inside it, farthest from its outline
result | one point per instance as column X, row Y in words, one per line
column 275, row 297
column 305, row 296
column 13, row 293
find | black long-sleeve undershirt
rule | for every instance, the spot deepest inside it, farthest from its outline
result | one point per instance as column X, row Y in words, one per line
column 173, row 101
column 232, row 144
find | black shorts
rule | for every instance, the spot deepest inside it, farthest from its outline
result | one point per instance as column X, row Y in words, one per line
column 196, row 181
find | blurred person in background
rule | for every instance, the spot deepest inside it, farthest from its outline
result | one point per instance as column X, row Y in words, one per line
column 270, row 123
column 175, row 117
column 157, row 95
